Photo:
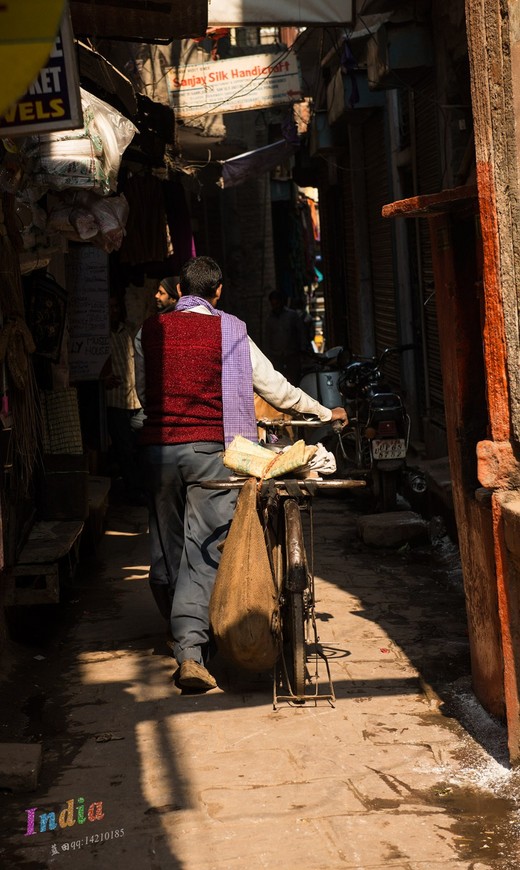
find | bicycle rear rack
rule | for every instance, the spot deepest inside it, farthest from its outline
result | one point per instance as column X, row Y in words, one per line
column 282, row 680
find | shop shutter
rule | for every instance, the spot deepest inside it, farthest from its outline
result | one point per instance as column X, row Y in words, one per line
column 378, row 193
column 429, row 181
column 352, row 298
column 333, row 260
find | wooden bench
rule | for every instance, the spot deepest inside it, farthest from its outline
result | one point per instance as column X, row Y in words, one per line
column 49, row 557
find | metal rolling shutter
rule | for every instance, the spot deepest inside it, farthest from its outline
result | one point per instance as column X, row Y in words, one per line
column 353, row 315
column 429, row 181
column 333, row 261
column 380, row 235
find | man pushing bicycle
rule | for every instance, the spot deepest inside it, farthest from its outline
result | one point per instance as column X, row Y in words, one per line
column 196, row 371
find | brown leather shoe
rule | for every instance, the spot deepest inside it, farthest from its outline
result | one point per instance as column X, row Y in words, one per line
column 193, row 675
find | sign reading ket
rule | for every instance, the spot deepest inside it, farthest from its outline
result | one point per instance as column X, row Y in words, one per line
column 53, row 100
column 234, row 85
column 27, row 32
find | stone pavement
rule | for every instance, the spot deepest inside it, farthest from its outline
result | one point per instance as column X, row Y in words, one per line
column 406, row 772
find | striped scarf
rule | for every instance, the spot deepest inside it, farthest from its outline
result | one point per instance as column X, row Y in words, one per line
column 238, row 409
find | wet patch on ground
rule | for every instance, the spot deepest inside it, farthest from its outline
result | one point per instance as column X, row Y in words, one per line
column 483, row 795
column 486, row 828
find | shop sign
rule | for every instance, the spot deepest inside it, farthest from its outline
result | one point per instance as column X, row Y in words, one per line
column 240, row 13
column 235, row 85
column 27, row 33
column 89, row 331
column 53, row 100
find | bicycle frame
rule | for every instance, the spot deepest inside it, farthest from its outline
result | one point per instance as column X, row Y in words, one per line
column 282, row 503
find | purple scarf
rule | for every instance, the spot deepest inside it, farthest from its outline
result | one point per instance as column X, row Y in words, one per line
column 238, row 407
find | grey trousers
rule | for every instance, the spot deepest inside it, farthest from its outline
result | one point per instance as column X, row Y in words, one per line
column 187, row 522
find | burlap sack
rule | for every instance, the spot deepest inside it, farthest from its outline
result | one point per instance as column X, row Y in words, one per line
column 244, row 610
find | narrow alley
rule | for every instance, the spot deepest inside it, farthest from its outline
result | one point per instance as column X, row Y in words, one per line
column 337, row 184
column 406, row 771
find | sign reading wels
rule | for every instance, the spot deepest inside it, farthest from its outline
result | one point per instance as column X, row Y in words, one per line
column 53, row 100
column 235, row 85
column 27, row 32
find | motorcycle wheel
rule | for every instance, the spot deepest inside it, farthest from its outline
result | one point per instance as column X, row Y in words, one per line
column 385, row 490
column 345, row 465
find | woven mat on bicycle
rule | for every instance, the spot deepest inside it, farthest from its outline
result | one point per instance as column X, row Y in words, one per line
column 246, row 457
column 243, row 610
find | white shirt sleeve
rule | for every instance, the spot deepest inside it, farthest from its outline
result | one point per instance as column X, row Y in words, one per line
column 275, row 389
column 267, row 382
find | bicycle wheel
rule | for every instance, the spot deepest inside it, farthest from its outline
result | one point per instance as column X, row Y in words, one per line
column 297, row 629
column 296, row 582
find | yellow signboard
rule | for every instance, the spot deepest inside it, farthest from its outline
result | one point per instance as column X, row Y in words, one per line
column 28, row 29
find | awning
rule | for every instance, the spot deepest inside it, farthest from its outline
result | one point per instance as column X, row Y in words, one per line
column 155, row 122
column 155, row 21
column 101, row 77
column 370, row 7
column 242, row 168
column 242, row 13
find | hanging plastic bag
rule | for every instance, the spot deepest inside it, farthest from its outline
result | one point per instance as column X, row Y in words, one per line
column 89, row 158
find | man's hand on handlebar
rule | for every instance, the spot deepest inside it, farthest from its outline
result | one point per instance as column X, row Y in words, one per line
column 339, row 418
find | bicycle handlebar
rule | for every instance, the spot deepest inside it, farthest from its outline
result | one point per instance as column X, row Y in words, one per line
column 398, row 348
column 280, row 423
column 302, row 483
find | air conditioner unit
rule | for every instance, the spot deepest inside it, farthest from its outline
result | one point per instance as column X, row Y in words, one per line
column 320, row 137
column 397, row 55
column 350, row 94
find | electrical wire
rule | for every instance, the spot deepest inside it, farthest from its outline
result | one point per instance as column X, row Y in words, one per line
column 248, row 87
column 416, row 89
column 422, row 94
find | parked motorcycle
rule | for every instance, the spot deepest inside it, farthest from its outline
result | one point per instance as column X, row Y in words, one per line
column 321, row 382
column 376, row 441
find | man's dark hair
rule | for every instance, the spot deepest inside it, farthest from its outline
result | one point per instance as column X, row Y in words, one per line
column 200, row 276
column 169, row 284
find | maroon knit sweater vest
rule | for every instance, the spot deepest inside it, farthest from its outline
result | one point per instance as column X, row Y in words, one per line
column 183, row 367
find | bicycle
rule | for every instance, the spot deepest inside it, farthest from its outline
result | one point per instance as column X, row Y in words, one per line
column 282, row 502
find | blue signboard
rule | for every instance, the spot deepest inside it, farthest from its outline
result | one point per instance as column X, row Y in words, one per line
column 53, row 100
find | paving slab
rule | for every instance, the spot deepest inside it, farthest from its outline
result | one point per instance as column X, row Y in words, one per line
column 19, row 766
column 392, row 529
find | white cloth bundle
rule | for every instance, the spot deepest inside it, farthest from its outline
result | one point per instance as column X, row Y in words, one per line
column 323, row 461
